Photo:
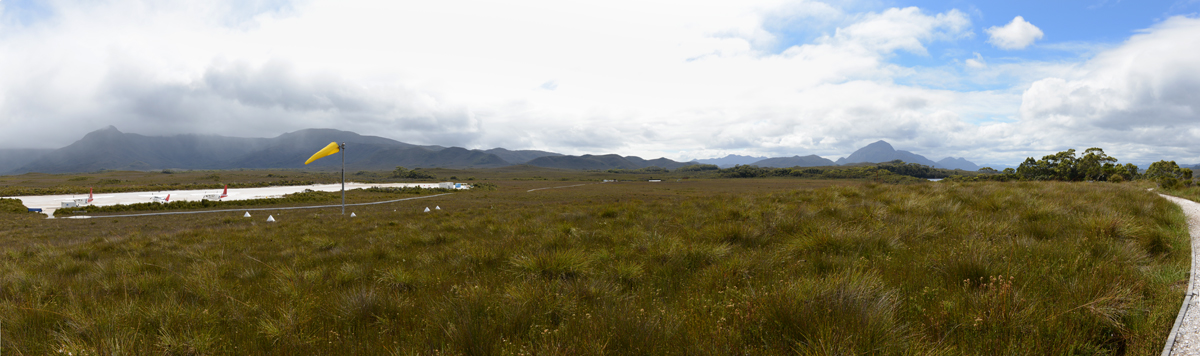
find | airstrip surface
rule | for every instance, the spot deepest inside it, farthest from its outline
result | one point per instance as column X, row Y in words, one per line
column 48, row 203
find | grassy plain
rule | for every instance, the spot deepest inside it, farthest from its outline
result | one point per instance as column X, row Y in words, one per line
column 129, row 181
column 733, row 266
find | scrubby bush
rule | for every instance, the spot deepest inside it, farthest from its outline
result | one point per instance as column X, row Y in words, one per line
column 651, row 169
column 12, row 206
column 698, row 168
column 401, row 172
column 888, row 172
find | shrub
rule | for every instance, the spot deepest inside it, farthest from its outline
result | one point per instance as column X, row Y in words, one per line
column 8, row 205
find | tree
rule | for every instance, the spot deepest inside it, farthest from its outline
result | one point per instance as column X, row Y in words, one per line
column 1095, row 165
column 1033, row 170
column 988, row 170
column 1062, row 165
column 1131, row 171
column 1163, row 169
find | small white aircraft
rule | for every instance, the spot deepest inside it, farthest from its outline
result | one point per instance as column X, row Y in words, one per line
column 215, row 196
column 78, row 202
column 154, row 198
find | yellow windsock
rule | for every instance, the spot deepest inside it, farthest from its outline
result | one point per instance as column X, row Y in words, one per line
column 328, row 150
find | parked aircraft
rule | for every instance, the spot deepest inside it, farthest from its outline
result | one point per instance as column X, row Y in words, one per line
column 78, row 202
column 154, row 198
column 215, row 196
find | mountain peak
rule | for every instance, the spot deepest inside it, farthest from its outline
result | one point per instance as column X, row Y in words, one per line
column 730, row 160
column 879, row 145
column 794, row 161
column 104, row 133
column 881, row 151
column 957, row 163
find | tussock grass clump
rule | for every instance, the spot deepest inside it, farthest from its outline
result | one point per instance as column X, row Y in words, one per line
column 761, row 267
column 12, row 206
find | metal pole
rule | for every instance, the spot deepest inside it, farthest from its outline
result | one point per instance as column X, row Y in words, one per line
column 343, row 178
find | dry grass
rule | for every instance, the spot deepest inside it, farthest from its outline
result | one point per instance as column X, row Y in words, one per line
column 716, row 267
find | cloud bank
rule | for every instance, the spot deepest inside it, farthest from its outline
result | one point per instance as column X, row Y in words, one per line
column 662, row 78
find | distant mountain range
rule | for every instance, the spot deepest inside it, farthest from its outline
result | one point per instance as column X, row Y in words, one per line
column 12, row 158
column 794, row 161
column 877, row 152
column 957, row 163
column 881, row 151
column 112, row 149
column 604, row 162
column 731, row 160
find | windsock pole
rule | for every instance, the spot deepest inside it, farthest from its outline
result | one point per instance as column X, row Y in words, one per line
column 331, row 148
column 343, row 149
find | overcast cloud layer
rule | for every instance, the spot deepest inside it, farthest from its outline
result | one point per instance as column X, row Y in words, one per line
column 679, row 79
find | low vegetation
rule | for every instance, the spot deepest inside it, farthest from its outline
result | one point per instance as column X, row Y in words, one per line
column 12, row 206
column 887, row 172
column 418, row 173
column 718, row 267
column 1093, row 165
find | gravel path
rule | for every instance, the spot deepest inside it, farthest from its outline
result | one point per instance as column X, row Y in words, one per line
column 1187, row 337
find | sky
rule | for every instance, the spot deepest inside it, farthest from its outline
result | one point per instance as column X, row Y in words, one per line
column 990, row 81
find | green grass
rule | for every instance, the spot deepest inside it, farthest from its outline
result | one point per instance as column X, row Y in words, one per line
column 756, row 267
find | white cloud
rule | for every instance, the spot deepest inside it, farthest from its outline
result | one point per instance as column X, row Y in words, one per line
column 977, row 62
column 1017, row 34
column 904, row 29
column 476, row 74
column 648, row 78
column 1142, row 97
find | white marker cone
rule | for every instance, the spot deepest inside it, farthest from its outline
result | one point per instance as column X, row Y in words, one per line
column 427, row 209
column 352, row 215
column 270, row 218
column 438, row 207
column 247, row 215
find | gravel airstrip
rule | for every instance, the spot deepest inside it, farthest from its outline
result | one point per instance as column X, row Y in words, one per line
column 48, row 203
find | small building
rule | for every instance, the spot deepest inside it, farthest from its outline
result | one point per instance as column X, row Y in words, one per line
column 655, row 180
column 75, row 203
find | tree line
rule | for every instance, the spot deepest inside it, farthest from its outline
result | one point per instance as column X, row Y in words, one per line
column 894, row 172
column 1093, row 165
column 401, row 172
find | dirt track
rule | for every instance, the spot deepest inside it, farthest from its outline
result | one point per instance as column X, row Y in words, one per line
column 1187, row 338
